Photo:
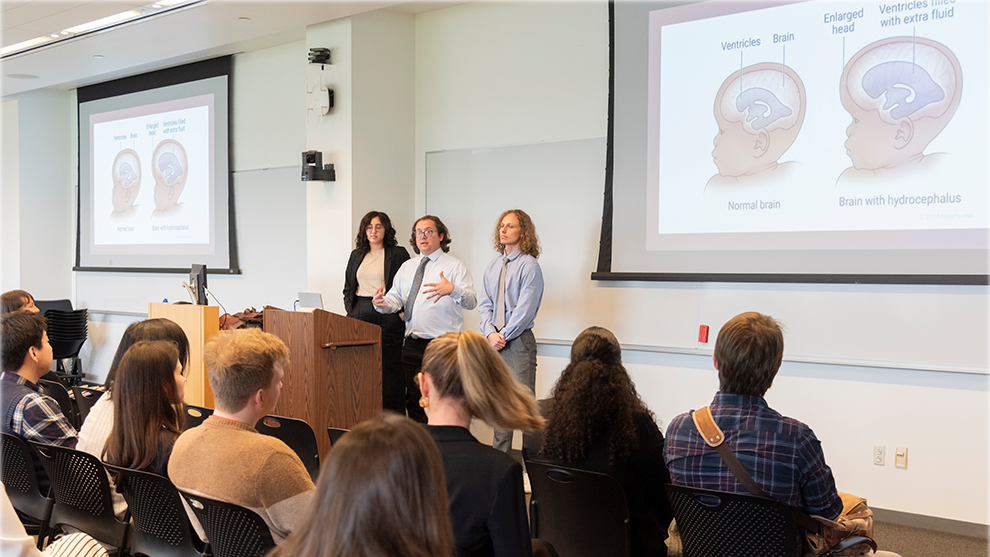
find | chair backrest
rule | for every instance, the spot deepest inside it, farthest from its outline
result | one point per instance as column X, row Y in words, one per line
column 195, row 415
column 233, row 531
column 580, row 513
column 81, row 489
column 298, row 436
column 45, row 305
column 732, row 524
column 21, row 481
column 335, row 433
column 161, row 525
column 57, row 390
column 85, row 398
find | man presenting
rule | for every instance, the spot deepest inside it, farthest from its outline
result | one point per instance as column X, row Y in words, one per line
column 225, row 458
column 513, row 289
column 432, row 289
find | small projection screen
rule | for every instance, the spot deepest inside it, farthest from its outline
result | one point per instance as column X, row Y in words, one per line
column 817, row 141
column 154, row 186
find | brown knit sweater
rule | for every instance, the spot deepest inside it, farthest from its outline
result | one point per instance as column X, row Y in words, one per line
column 230, row 461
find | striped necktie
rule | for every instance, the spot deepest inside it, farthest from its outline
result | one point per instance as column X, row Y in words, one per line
column 414, row 292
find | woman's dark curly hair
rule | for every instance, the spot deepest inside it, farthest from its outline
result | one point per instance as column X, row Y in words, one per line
column 593, row 398
column 361, row 242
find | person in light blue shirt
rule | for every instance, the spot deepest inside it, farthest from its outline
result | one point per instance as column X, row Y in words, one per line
column 510, row 299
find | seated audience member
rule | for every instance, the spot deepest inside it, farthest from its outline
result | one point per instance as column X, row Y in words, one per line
column 381, row 493
column 17, row 300
column 95, row 431
column 596, row 421
column 148, row 414
column 463, row 377
column 26, row 356
column 226, row 458
column 782, row 455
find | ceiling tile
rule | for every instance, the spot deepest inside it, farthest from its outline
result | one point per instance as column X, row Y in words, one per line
column 75, row 16
column 14, row 36
column 33, row 11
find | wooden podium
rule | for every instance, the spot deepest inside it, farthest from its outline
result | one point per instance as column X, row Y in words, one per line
column 334, row 378
column 200, row 324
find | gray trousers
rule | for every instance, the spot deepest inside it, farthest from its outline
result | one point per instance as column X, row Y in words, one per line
column 520, row 355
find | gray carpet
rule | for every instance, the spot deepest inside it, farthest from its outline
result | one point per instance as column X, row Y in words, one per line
column 904, row 540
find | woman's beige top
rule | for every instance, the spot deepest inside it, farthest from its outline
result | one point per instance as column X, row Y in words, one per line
column 371, row 273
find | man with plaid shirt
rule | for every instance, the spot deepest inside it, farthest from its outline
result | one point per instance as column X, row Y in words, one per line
column 781, row 454
column 26, row 356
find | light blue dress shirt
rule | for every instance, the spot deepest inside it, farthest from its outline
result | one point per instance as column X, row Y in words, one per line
column 523, row 294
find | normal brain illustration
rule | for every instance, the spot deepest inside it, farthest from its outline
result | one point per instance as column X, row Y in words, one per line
column 903, row 78
column 763, row 99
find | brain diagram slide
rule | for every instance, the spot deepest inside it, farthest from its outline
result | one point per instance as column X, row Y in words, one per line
column 824, row 116
column 152, row 175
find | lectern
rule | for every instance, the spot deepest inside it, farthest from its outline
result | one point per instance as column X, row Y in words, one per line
column 200, row 324
column 334, row 377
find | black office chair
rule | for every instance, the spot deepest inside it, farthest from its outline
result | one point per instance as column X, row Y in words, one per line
column 60, row 305
column 579, row 513
column 715, row 523
column 21, row 483
column 85, row 398
column 196, row 415
column 161, row 524
column 67, row 332
column 233, row 531
column 57, row 391
column 335, row 433
column 298, row 435
column 81, row 489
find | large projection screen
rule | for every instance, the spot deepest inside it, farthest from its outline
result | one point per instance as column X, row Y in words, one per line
column 814, row 141
column 154, row 191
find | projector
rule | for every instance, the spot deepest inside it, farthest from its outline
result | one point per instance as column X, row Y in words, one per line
column 313, row 168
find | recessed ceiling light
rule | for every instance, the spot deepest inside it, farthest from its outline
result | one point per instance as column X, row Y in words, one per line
column 97, row 56
column 65, row 32
column 156, row 6
column 54, row 35
column 21, row 76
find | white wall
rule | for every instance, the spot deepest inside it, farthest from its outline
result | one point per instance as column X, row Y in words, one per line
column 10, row 195
column 507, row 73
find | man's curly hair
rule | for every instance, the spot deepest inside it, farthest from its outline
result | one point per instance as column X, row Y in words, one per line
column 594, row 398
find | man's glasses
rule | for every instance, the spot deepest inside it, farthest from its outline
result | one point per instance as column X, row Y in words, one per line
column 428, row 232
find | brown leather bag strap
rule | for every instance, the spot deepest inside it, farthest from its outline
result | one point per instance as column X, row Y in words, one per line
column 705, row 422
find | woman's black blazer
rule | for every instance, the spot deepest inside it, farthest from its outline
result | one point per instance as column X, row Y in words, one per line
column 395, row 256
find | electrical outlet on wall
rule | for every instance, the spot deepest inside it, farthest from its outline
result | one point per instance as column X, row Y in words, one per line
column 900, row 457
column 878, row 454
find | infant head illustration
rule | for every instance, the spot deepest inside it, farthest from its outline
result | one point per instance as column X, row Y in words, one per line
column 168, row 164
column 900, row 92
column 759, row 110
column 126, row 172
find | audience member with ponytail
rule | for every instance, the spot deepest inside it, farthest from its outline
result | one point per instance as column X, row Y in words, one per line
column 462, row 378
column 148, row 412
column 596, row 421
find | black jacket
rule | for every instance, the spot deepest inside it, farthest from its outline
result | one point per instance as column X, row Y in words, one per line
column 395, row 256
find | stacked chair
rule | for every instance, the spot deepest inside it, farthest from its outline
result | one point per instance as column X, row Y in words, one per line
column 67, row 332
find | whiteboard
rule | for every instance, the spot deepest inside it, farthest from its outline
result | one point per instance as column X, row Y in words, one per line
column 560, row 185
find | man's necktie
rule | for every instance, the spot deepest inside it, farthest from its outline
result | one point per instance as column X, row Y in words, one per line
column 414, row 293
column 500, row 304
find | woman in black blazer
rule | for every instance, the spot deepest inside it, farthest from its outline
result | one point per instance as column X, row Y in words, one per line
column 373, row 263
column 463, row 377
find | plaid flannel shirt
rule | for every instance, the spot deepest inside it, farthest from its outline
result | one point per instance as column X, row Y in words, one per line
column 38, row 417
column 781, row 454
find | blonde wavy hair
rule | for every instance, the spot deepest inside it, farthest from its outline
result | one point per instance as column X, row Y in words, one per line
column 529, row 242
column 465, row 367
